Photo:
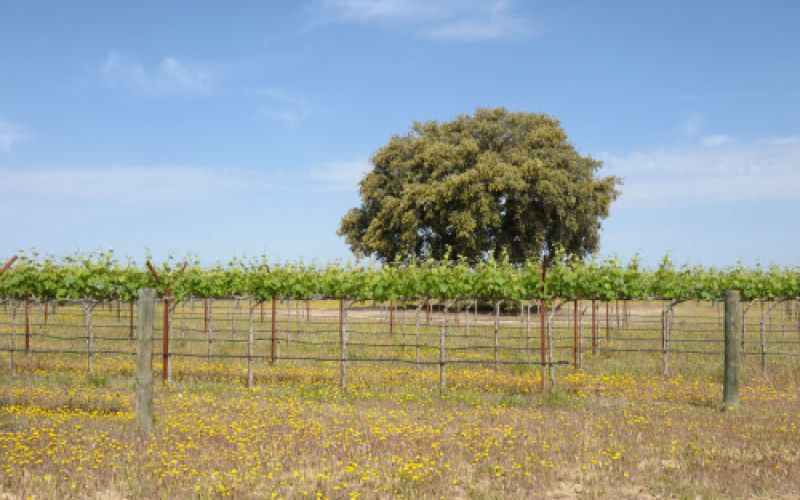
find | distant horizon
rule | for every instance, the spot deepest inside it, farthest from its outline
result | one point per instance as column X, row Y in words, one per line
column 221, row 132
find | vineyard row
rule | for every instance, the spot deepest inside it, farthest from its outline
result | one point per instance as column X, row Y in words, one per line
column 101, row 277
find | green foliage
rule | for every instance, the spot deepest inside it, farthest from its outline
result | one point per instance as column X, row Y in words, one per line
column 100, row 276
column 490, row 184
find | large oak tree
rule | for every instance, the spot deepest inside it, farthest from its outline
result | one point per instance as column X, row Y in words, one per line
column 481, row 185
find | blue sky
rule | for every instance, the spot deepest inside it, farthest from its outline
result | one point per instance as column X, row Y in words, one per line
column 241, row 128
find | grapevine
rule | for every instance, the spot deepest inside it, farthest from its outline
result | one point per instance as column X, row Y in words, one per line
column 100, row 276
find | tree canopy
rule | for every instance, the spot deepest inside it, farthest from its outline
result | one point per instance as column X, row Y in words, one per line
column 484, row 185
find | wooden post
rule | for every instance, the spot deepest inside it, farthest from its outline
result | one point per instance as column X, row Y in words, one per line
column 342, row 344
column 608, row 324
column 273, row 340
column 442, row 353
column 733, row 328
column 46, row 310
column 144, row 361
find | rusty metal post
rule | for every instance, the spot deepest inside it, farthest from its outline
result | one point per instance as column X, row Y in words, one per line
column 46, row 310
column 9, row 263
column 205, row 314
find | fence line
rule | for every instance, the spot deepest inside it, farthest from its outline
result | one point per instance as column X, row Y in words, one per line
column 422, row 334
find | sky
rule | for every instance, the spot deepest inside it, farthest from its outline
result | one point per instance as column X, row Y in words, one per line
column 242, row 128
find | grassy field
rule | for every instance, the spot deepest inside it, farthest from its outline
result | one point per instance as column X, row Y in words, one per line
column 615, row 428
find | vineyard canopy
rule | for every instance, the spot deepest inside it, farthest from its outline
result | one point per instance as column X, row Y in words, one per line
column 100, row 276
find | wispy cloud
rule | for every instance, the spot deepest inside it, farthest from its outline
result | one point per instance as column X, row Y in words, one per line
column 10, row 134
column 724, row 171
column 444, row 20
column 282, row 106
column 171, row 75
column 341, row 175
column 712, row 141
column 125, row 185
column 692, row 126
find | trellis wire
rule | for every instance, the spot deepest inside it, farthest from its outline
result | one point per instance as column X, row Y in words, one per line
column 634, row 326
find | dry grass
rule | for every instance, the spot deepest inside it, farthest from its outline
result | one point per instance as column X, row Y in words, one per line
column 616, row 429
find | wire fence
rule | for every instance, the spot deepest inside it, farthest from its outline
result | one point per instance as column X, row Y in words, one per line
column 225, row 338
